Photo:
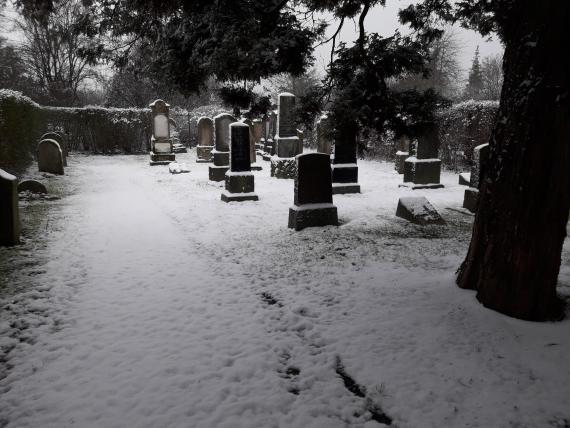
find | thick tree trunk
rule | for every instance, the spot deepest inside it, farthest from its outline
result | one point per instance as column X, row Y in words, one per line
column 520, row 226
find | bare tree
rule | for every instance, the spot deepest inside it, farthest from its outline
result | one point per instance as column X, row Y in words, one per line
column 52, row 49
column 492, row 74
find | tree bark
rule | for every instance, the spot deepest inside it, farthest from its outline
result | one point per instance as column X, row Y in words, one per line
column 520, row 225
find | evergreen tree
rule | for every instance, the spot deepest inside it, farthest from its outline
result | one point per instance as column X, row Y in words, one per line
column 474, row 88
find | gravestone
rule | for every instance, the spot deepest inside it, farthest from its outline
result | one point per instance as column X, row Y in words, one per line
column 313, row 200
column 221, row 151
column 301, row 137
column 252, row 154
column 9, row 210
column 270, row 126
column 324, row 135
column 480, row 159
column 160, row 143
column 403, row 152
column 205, row 140
column 32, row 186
column 418, row 210
column 56, row 136
column 257, row 133
column 286, row 140
column 345, row 168
column 239, row 179
column 50, row 157
column 465, row 178
column 422, row 169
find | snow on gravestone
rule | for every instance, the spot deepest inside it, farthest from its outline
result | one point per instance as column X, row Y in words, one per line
column 313, row 193
column 9, row 210
column 50, row 157
column 239, row 179
column 418, row 210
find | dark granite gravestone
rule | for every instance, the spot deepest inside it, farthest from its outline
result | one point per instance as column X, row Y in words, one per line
column 418, row 210
column 9, row 210
column 480, row 159
column 465, row 178
column 422, row 169
column 221, row 151
column 313, row 193
column 50, row 157
column 286, row 140
column 31, row 186
column 239, row 179
column 345, row 168
column 205, row 140
column 161, row 151
column 56, row 136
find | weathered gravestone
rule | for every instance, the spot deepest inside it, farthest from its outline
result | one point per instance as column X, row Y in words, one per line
column 239, row 179
column 205, row 140
column 422, row 169
column 32, row 186
column 402, row 153
column 313, row 193
column 270, row 127
column 257, row 134
column 418, row 210
column 221, row 152
column 345, row 168
column 252, row 154
column 56, row 136
column 324, row 135
column 480, row 159
column 301, row 137
column 50, row 157
column 9, row 210
column 160, row 143
column 286, row 140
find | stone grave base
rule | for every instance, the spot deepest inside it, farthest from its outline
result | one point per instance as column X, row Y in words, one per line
column 345, row 188
column 344, row 173
column 400, row 161
column 283, row 167
column 204, row 154
column 256, row 167
column 470, row 199
column 418, row 210
column 221, row 158
column 312, row 215
column 286, row 147
column 238, row 197
column 161, row 158
column 465, row 179
column 422, row 173
column 239, row 182
column 218, row 173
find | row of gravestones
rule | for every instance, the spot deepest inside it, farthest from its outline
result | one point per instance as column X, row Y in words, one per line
column 52, row 158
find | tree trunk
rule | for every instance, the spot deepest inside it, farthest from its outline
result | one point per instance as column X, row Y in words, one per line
column 520, row 226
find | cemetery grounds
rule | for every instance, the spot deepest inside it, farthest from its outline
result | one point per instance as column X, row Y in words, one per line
column 139, row 299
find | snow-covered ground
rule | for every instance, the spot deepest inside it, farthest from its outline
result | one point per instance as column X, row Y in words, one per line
column 140, row 299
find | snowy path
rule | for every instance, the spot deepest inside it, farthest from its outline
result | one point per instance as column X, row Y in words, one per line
column 141, row 300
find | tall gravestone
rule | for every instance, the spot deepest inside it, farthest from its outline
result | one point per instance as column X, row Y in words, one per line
column 286, row 141
column 301, row 137
column 252, row 154
column 205, row 140
column 345, row 168
column 50, row 157
column 403, row 152
column 221, row 152
column 240, row 184
column 56, row 136
column 160, row 143
column 257, row 134
column 422, row 170
column 324, row 135
column 480, row 159
column 264, row 135
column 270, row 127
column 313, row 200
column 9, row 210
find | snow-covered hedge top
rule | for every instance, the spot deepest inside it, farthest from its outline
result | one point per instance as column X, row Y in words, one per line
column 15, row 96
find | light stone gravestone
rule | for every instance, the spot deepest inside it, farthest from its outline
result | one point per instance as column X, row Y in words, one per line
column 324, row 135
column 422, row 169
column 313, row 200
column 205, row 140
column 240, row 184
column 301, row 137
column 257, row 134
column 480, row 159
column 271, row 125
column 286, row 141
column 221, row 152
column 9, row 210
column 56, row 136
column 402, row 153
column 418, row 210
column 345, row 168
column 50, row 157
column 160, row 143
